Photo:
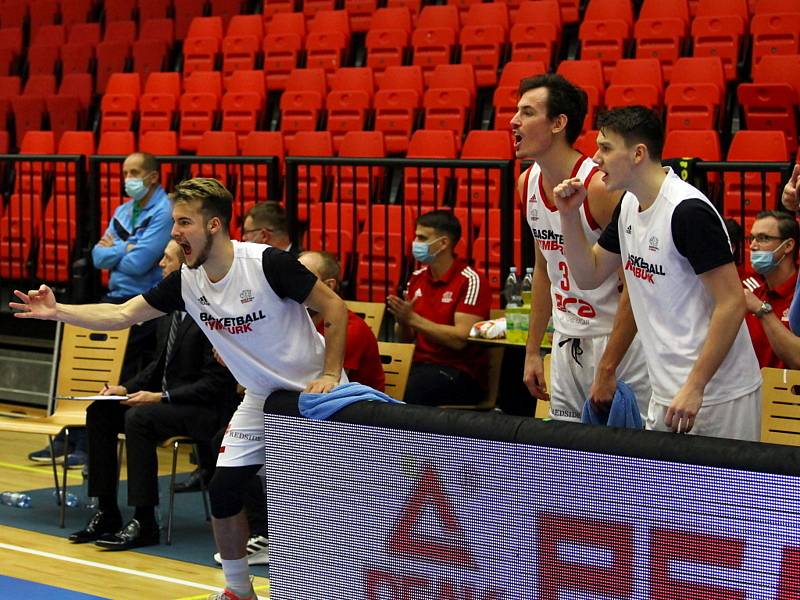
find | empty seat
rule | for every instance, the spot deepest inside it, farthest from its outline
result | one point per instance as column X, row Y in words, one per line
column 359, row 184
column 241, row 45
column 159, row 102
column 434, row 37
column 481, row 187
column 536, row 32
column 636, row 81
column 112, row 57
column 185, row 13
column 282, row 44
column 312, row 180
column 217, row 143
column 387, row 38
column 333, row 228
column 256, row 184
column 695, row 98
column 661, row 31
column 605, row 32
column 349, row 101
column 775, row 33
column 483, row 38
column 328, row 40
column 717, row 30
column 758, row 191
column 427, row 186
column 449, row 100
column 302, row 101
column 396, row 105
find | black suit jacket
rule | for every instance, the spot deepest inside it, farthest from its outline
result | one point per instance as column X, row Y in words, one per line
column 193, row 376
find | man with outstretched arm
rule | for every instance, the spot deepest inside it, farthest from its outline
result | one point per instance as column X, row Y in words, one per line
column 250, row 300
column 684, row 290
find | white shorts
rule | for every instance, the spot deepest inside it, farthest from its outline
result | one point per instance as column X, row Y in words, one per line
column 243, row 442
column 738, row 419
column 572, row 370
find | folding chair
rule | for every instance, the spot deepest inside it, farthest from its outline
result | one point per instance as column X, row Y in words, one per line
column 396, row 360
column 780, row 407
column 87, row 360
column 371, row 312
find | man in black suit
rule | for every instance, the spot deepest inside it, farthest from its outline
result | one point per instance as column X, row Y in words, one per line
column 191, row 395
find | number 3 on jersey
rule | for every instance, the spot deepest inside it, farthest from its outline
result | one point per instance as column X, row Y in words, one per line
column 564, row 283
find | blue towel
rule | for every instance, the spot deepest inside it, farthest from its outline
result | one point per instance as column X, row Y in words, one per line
column 624, row 410
column 322, row 406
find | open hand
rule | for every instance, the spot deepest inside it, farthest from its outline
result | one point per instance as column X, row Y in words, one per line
column 36, row 304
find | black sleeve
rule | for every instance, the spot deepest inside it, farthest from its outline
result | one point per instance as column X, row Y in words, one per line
column 166, row 296
column 609, row 239
column 286, row 275
column 700, row 236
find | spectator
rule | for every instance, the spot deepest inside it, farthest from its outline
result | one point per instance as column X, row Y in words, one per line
column 183, row 392
column 587, row 357
column 768, row 293
column 362, row 360
column 130, row 250
column 266, row 223
column 442, row 301
column 250, row 300
column 684, row 289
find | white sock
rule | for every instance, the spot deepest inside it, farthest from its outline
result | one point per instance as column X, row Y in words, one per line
column 237, row 575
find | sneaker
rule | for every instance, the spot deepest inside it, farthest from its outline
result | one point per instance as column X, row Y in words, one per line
column 77, row 459
column 227, row 594
column 257, row 551
column 43, row 455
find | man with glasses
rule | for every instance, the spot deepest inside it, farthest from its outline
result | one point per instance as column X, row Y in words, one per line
column 266, row 223
column 768, row 293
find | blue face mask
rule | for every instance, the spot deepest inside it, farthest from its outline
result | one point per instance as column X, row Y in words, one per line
column 135, row 188
column 763, row 261
column 422, row 251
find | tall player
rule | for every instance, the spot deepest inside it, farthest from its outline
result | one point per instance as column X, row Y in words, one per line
column 684, row 289
column 587, row 358
column 250, row 300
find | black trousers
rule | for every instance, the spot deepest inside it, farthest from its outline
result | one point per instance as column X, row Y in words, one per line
column 144, row 426
column 433, row 385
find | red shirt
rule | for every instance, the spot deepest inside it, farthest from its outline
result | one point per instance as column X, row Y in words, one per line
column 460, row 290
column 362, row 360
column 780, row 299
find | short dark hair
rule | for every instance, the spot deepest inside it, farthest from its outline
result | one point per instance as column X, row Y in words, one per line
column 787, row 227
column 563, row 98
column 215, row 200
column 636, row 125
column 149, row 162
column 269, row 215
column 444, row 222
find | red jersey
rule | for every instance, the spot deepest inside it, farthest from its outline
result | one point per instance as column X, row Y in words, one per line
column 780, row 299
column 460, row 290
column 362, row 360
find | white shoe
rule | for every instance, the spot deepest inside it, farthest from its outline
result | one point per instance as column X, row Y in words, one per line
column 257, row 551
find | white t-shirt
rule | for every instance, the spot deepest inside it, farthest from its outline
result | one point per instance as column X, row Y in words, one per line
column 663, row 250
column 576, row 312
column 253, row 316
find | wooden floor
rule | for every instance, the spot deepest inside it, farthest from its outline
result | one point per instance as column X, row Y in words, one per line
column 83, row 568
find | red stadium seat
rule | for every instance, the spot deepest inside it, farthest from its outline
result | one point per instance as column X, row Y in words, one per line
column 254, row 185
column 75, row 12
column 153, row 9
column 483, row 38
column 426, row 186
column 747, row 195
column 282, row 44
column 313, row 180
column 217, row 143
column 536, row 32
column 396, row 105
column 695, row 98
column 359, row 184
column 605, row 32
column 636, row 81
column 185, row 12
column 242, row 43
column 717, row 30
column 348, row 102
column 333, row 228
column 387, row 38
column 479, row 187
column 327, row 41
column 302, row 101
column 434, row 37
column 112, row 57
column 776, row 33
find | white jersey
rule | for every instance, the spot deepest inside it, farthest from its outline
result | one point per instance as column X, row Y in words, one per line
column 576, row 312
column 266, row 339
column 671, row 304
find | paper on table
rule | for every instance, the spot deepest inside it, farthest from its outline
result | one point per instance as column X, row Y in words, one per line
column 97, row 397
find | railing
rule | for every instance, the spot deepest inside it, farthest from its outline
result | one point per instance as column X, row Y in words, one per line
column 362, row 209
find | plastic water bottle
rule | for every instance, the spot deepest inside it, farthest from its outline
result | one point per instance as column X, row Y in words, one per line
column 17, row 499
column 72, row 499
column 511, row 291
column 527, row 286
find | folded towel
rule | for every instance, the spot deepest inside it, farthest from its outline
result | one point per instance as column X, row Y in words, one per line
column 322, row 406
column 624, row 410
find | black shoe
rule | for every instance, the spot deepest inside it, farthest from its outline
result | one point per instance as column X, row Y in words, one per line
column 192, row 483
column 100, row 524
column 133, row 535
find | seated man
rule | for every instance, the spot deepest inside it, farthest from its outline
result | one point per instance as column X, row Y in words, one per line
column 443, row 300
column 183, row 392
column 774, row 239
column 362, row 359
column 266, row 223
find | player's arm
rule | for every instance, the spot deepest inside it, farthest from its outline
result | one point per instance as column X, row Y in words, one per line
column 41, row 304
column 624, row 330
column 453, row 336
column 541, row 310
column 790, row 198
column 724, row 287
column 327, row 303
column 784, row 343
column 589, row 264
